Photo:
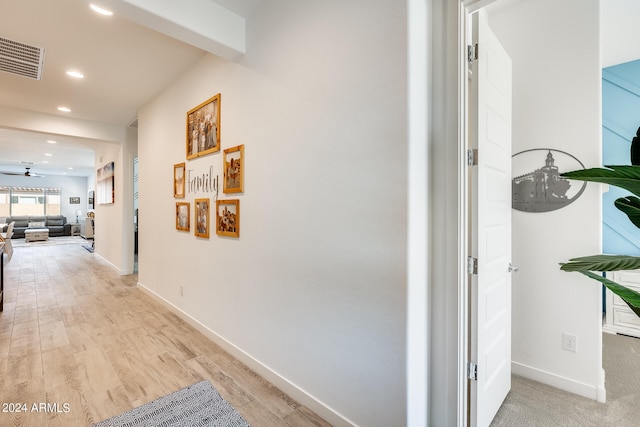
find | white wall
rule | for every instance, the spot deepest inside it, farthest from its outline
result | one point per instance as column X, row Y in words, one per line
column 313, row 291
column 113, row 231
column 556, row 103
column 72, row 186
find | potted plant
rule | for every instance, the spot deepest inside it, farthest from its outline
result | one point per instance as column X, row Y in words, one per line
column 628, row 178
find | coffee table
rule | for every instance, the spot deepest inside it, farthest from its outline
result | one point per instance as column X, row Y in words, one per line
column 36, row 234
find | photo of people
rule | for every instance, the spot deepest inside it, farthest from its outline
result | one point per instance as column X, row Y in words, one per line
column 202, row 218
column 183, row 216
column 234, row 170
column 228, row 218
column 178, row 180
column 203, row 128
column 105, row 185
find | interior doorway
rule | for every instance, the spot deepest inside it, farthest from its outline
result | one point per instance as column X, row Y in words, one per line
column 135, row 215
column 538, row 351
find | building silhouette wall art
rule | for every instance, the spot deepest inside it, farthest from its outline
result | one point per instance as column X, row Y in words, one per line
column 543, row 189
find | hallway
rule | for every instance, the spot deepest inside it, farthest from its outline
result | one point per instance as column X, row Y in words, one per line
column 76, row 334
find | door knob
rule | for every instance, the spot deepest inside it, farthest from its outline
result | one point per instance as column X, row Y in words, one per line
column 512, row 268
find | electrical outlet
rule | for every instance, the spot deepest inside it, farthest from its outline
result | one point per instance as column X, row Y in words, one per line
column 569, row 342
column 181, row 290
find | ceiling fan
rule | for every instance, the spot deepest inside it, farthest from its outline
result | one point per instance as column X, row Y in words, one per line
column 25, row 173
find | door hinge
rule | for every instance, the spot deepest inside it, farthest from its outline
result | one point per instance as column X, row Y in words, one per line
column 472, row 265
column 472, row 371
column 472, row 53
column 472, row 157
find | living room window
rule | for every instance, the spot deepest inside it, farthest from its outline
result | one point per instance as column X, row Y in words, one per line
column 16, row 201
column 52, row 205
column 5, row 202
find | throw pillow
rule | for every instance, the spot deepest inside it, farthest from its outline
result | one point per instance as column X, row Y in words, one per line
column 36, row 224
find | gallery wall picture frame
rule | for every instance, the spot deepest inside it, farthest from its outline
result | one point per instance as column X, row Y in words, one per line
column 74, row 200
column 105, row 184
column 90, row 199
column 228, row 217
column 178, row 180
column 203, row 128
column 202, row 215
column 183, row 216
column 233, row 170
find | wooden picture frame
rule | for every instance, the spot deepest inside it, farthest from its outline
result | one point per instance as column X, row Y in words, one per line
column 228, row 218
column 202, row 223
column 106, row 184
column 178, row 180
column 233, row 181
column 183, row 216
column 203, row 128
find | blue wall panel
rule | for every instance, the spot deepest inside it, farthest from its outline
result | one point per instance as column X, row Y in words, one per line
column 620, row 120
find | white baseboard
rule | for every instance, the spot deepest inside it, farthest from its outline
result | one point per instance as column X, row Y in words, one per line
column 113, row 266
column 597, row 393
column 306, row 399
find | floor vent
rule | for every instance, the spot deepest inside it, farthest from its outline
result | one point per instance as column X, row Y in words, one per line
column 21, row 59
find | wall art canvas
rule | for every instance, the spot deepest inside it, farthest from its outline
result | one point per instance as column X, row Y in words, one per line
column 178, row 180
column 203, row 128
column 74, row 200
column 228, row 218
column 183, row 216
column 105, row 184
column 537, row 185
column 202, row 217
column 233, row 170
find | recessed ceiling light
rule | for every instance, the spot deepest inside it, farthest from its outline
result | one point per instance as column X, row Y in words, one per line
column 100, row 10
column 45, row 161
column 51, row 141
column 48, row 154
column 75, row 74
column 64, row 109
column 70, row 169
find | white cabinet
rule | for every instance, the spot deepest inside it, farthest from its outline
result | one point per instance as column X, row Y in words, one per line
column 86, row 228
column 619, row 317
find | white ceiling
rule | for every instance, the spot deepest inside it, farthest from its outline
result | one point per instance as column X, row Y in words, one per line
column 125, row 66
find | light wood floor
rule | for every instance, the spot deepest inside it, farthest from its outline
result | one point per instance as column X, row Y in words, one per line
column 74, row 332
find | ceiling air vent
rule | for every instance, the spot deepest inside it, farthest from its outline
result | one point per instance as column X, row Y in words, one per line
column 21, row 59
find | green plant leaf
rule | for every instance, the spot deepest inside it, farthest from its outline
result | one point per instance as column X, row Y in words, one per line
column 631, row 297
column 624, row 176
column 602, row 263
column 635, row 148
column 631, row 207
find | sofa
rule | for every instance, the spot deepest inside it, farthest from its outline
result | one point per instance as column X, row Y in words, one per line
column 57, row 225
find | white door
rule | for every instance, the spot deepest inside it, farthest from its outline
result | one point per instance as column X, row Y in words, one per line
column 490, row 317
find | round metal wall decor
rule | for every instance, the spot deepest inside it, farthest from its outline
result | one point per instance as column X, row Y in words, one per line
column 537, row 185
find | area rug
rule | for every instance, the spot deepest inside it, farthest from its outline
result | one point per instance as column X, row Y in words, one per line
column 199, row 405
column 53, row 241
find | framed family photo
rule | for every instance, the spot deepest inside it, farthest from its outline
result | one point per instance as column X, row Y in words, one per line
column 228, row 218
column 106, row 184
column 202, row 217
column 178, row 180
column 233, row 170
column 203, row 128
column 183, row 216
